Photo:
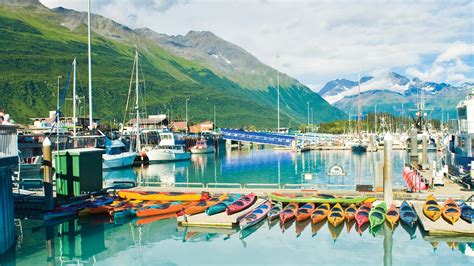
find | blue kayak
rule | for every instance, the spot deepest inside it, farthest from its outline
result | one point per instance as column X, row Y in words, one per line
column 407, row 214
column 220, row 207
column 466, row 212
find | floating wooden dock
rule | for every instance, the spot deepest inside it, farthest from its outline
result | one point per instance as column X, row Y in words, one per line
column 216, row 220
column 441, row 227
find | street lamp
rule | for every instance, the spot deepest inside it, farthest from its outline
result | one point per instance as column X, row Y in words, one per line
column 187, row 116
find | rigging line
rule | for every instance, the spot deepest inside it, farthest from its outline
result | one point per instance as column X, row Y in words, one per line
column 144, row 91
column 128, row 97
column 61, row 101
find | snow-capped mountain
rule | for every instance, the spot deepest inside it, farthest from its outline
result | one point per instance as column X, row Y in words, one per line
column 395, row 93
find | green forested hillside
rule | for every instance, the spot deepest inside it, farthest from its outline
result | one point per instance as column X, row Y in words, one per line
column 36, row 47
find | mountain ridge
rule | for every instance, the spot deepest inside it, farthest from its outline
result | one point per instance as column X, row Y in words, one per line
column 40, row 43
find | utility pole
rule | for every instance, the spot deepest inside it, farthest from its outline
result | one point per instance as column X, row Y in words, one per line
column 57, row 117
column 187, row 116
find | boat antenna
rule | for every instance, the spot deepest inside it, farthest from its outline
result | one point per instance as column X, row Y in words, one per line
column 358, row 106
column 89, row 61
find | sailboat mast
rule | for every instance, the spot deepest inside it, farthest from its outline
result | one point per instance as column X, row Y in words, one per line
column 358, row 107
column 136, row 102
column 89, row 61
column 74, row 96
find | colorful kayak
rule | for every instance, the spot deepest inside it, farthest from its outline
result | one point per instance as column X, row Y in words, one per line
column 304, row 212
column 241, row 204
column 162, row 196
column 362, row 215
column 204, row 204
column 377, row 215
column 160, row 209
column 336, row 215
column 350, row 212
column 466, row 212
column 256, row 215
column 392, row 216
column 287, row 198
column 320, row 213
column 222, row 206
column 275, row 211
column 431, row 208
column 289, row 212
column 407, row 214
column 451, row 211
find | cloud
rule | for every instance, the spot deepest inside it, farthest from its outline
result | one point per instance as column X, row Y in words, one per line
column 449, row 66
column 316, row 40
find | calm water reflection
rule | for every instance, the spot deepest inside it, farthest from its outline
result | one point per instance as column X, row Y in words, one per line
column 267, row 166
column 97, row 241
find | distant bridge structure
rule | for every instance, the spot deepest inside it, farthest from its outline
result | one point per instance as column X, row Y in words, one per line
column 258, row 137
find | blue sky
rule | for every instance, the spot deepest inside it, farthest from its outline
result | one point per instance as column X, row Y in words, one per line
column 320, row 40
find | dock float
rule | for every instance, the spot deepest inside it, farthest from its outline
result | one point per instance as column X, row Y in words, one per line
column 441, row 227
column 216, row 220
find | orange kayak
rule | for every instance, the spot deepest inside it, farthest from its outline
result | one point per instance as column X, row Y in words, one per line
column 392, row 216
column 451, row 211
column 204, row 204
column 320, row 213
column 160, row 209
column 304, row 212
column 350, row 212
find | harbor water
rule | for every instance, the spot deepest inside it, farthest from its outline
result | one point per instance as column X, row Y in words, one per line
column 267, row 166
column 99, row 240
column 92, row 241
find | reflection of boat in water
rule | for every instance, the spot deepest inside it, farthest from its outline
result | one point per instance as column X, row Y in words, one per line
column 467, row 249
column 335, row 231
column 349, row 225
column 285, row 226
column 250, row 230
column 411, row 230
column 166, row 173
column 315, row 227
column 122, row 175
column 300, row 226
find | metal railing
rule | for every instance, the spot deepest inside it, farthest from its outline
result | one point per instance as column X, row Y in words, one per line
column 261, row 185
column 217, row 185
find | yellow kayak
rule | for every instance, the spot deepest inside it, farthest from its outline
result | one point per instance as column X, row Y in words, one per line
column 161, row 196
column 431, row 208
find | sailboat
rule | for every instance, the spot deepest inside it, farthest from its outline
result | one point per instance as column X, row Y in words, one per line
column 359, row 147
column 116, row 155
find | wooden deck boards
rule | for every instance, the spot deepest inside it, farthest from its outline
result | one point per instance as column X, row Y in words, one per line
column 441, row 227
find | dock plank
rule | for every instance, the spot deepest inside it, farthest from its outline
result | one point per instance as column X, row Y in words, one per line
column 216, row 220
column 441, row 227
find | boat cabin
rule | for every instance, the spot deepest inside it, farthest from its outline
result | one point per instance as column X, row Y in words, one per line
column 463, row 140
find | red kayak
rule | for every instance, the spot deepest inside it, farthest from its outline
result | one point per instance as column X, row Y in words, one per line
column 289, row 212
column 305, row 212
column 241, row 204
column 362, row 214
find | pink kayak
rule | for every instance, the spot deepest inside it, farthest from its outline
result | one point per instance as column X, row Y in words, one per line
column 241, row 204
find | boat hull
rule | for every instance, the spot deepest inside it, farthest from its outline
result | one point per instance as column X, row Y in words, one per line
column 165, row 156
column 124, row 159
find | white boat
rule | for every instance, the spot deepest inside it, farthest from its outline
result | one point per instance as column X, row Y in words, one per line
column 202, row 147
column 169, row 149
column 117, row 156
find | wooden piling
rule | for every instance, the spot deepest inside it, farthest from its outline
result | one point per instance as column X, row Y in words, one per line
column 47, row 176
column 387, row 169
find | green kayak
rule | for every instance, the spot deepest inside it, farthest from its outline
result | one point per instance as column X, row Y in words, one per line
column 317, row 200
column 377, row 215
